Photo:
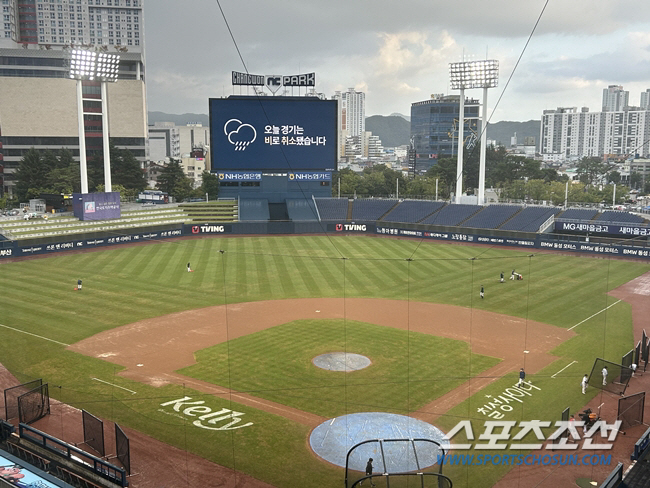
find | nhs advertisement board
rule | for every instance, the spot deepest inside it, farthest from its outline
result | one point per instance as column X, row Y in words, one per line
column 273, row 134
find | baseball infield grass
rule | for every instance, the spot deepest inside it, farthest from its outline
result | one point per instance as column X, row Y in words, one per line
column 41, row 313
column 276, row 364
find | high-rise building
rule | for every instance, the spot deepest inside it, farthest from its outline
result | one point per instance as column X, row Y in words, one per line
column 434, row 128
column 168, row 140
column 38, row 104
column 615, row 98
column 568, row 134
column 645, row 100
column 164, row 141
column 351, row 116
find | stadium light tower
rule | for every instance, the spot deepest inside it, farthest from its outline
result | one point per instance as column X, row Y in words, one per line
column 466, row 75
column 93, row 66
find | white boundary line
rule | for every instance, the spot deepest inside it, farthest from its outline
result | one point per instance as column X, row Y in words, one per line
column 117, row 386
column 572, row 362
column 35, row 335
column 594, row 315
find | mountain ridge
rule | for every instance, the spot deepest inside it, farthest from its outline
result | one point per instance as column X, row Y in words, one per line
column 393, row 130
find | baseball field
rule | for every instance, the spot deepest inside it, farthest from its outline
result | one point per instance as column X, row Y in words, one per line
column 154, row 347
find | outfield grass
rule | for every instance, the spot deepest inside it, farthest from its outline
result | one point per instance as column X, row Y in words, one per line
column 126, row 284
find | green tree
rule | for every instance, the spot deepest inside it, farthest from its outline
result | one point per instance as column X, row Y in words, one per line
column 426, row 186
column 636, row 180
column 381, row 180
column 172, row 180
column 614, row 177
column 445, row 171
column 124, row 192
column 64, row 174
column 125, row 170
column 210, row 185
column 549, row 174
column 31, row 176
column 64, row 179
column 591, row 170
column 349, row 181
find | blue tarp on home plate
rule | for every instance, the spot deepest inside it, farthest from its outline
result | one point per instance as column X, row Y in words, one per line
column 333, row 439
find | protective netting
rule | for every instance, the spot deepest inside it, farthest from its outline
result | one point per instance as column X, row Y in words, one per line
column 609, row 376
column 630, row 410
column 93, row 432
column 12, row 394
column 122, row 448
column 34, row 404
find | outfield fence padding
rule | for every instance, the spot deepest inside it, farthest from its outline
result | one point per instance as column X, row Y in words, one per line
column 527, row 240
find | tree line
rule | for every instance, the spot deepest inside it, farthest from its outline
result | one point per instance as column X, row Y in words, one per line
column 57, row 172
column 515, row 178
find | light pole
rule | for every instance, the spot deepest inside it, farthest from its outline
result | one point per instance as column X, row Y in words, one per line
column 466, row 75
column 93, row 66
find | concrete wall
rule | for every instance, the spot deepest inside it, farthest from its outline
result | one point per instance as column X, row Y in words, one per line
column 25, row 110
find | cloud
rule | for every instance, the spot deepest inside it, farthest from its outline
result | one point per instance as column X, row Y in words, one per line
column 398, row 52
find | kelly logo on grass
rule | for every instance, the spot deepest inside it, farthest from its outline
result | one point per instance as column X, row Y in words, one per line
column 205, row 414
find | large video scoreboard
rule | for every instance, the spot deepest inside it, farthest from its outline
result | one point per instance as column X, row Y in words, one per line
column 273, row 134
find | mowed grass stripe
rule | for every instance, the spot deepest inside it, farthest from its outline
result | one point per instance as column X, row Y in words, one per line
column 307, row 265
column 209, row 274
column 328, row 270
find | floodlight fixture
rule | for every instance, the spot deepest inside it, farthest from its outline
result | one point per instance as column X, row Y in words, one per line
column 93, row 66
column 467, row 75
column 100, row 67
column 474, row 74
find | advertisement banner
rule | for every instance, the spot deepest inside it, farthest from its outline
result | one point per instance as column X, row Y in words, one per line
column 239, row 176
column 13, row 249
column 207, row 229
column 310, row 176
column 632, row 230
column 96, row 206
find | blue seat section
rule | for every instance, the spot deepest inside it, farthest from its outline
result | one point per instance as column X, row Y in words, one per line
column 578, row 214
column 254, row 210
column 332, row 208
column 491, row 217
column 530, row 218
column 452, row 214
column 618, row 216
column 371, row 208
column 413, row 211
column 301, row 209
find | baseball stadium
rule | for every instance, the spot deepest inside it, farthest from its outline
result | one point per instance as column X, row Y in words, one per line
column 281, row 337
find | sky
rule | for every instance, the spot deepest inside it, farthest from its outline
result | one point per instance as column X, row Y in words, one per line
column 398, row 52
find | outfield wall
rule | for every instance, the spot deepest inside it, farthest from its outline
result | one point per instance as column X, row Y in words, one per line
column 22, row 248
